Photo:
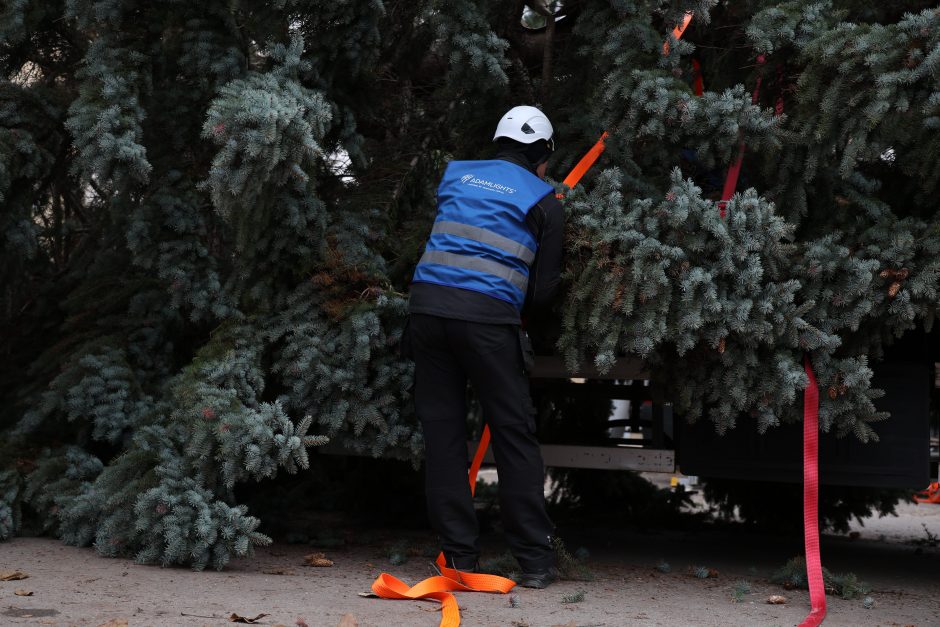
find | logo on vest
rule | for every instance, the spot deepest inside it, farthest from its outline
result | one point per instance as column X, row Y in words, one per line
column 471, row 180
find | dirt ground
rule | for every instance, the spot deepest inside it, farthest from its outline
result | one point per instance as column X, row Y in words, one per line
column 897, row 557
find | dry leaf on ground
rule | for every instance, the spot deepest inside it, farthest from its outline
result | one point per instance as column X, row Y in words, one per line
column 12, row 575
column 317, row 559
column 115, row 622
column 20, row 592
column 776, row 599
column 348, row 620
column 235, row 618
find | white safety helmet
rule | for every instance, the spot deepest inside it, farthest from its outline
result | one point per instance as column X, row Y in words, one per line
column 525, row 125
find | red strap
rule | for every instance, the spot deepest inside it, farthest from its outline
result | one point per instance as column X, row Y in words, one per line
column 698, row 85
column 817, row 590
column 731, row 180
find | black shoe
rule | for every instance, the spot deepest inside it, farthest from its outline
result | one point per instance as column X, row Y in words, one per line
column 475, row 568
column 539, row 580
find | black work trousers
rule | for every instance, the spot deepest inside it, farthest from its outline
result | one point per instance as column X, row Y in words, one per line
column 448, row 353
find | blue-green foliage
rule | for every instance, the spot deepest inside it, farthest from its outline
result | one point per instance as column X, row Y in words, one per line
column 346, row 372
column 106, row 119
column 342, row 39
column 883, row 73
column 194, row 288
column 268, row 127
column 834, row 254
column 797, row 23
column 211, row 254
column 99, row 389
column 476, row 55
column 671, row 279
column 207, row 57
column 61, row 476
column 23, row 158
column 167, row 234
column 9, row 504
column 179, row 521
column 232, row 436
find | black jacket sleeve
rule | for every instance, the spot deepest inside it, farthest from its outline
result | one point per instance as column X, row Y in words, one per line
column 547, row 222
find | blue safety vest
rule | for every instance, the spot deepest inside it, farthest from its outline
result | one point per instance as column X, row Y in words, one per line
column 480, row 240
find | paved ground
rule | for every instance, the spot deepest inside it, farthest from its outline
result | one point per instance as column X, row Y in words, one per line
column 894, row 556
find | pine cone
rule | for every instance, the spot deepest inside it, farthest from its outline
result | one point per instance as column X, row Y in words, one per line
column 897, row 275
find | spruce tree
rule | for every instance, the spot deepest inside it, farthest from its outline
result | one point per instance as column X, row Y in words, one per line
column 210, row 214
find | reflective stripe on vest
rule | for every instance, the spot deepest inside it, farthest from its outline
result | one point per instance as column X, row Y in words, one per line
column 468, row 262
column 513, row 248
column 480, row 240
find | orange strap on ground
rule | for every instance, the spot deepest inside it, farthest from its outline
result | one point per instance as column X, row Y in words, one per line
column 441, row 587
column 930, row 495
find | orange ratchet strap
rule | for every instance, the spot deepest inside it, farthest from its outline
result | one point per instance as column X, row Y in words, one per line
column 930, row 495
column 678, row 30
column 591, row 156
column 584, row 164
column 440, row 587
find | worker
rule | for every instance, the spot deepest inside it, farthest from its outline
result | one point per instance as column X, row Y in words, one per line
column 494, row 251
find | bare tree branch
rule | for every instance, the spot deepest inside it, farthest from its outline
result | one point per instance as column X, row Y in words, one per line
column 547, row 54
